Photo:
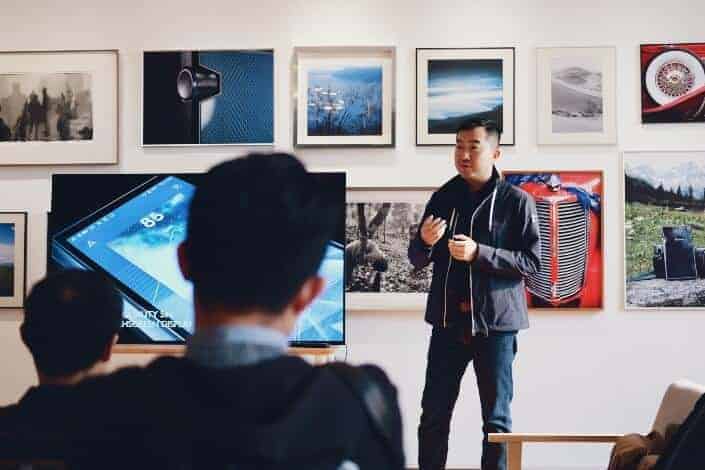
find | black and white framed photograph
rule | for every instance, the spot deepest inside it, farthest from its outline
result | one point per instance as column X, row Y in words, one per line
column 576, row 95
column 664, row 230
column 208, row 97
column 379, row 224
column 454, row 85
column 345, row 96
column 58, row 107
column 13, row 259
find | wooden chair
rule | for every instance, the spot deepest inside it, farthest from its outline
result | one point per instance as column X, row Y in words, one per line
column 677, row 403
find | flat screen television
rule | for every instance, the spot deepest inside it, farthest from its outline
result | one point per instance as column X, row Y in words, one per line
column 128, row 227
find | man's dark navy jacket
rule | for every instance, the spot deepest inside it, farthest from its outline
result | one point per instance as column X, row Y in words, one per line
column 502, row 219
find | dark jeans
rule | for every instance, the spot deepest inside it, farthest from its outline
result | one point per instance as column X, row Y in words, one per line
column 448, row 357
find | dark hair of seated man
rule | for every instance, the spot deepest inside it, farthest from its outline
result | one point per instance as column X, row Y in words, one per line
column 70, row 325
column 257, row 231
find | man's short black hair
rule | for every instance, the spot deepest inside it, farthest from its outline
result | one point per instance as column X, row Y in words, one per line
column 70, row 318
column 491, row 127
column 257, row 229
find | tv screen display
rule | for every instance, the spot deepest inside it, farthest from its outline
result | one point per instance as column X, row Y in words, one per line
column 128, row 227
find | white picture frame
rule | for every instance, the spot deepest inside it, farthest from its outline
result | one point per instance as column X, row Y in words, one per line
column 368, row 73
column 576, row 97
column 386, row 299
column 463, row 91
column 90, row 132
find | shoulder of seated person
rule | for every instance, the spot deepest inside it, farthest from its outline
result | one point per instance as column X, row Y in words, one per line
column 379, row 376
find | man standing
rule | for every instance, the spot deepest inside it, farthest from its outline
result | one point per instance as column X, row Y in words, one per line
column 481, row 234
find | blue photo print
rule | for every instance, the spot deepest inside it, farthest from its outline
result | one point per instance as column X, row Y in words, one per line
column 7, row 260
column 208, row 97
column 345, row 101
column 459, row 90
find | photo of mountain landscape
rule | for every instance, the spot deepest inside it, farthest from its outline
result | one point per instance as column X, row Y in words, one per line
column 664, row 194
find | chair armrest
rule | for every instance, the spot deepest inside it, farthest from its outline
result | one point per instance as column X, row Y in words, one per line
column 543, row 437
column 515, row 442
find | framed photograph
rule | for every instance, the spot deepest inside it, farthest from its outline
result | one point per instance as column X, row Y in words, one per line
column 664, row 229
column 569, row 205
column 379, row 224
column 13, row 259
column 208, row 97
column 344, row 96
column 454, row 85
column 673, row 83
column 58, row 108
column 576, row 95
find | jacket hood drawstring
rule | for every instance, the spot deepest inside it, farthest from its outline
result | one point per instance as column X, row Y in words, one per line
column 494, row 196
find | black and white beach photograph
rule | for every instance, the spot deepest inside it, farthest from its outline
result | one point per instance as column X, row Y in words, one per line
column 45, row 107
column 576, row 94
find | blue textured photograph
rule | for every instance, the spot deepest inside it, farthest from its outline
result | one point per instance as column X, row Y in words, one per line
column 345, row 101
column 7, row 260
column 463, row 89
column 208, row 97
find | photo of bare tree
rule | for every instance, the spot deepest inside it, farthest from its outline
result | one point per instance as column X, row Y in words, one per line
column 377, row 239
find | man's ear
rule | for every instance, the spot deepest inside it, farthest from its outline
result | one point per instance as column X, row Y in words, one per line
column 108, row 351
column 184, row 264
column 308, row 292
column 497, row 152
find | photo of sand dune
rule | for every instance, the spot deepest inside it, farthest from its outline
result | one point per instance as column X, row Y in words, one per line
column 576, row 95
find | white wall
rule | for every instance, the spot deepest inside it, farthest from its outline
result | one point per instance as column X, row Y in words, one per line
column 575, row 372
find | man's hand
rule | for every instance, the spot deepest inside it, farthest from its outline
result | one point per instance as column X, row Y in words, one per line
column 462, row 247
column 432, row 230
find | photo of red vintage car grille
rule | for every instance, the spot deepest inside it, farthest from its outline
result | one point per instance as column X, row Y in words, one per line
column 673, row 82
column 569, row 209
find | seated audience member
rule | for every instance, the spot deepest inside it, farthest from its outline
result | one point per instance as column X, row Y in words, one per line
column 686, row 450
column 70, row 326
column 71, row 323
column 256, row 234
column 681, row 448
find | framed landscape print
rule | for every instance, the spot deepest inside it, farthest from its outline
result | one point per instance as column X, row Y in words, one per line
column 379, row 224
column 664, row 229
column 672, row 83
column 576, row 98
column 58, row 108
column 569, row 205
column 208, row 97
column 13, row 256
column 344, row 96
column 454, row 85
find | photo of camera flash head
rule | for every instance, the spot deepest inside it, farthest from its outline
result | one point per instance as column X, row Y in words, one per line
column 197, row 83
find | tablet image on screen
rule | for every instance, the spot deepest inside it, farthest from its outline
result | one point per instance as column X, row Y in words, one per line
column 133, row 238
